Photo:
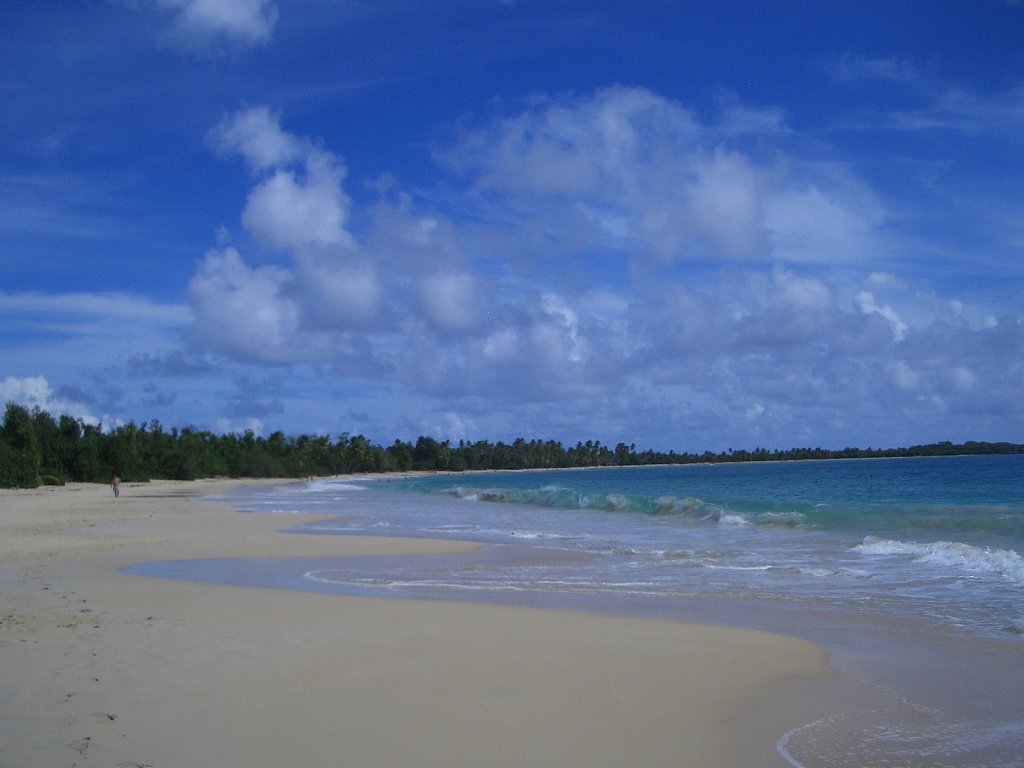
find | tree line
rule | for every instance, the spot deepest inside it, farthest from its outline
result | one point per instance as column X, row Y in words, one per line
column 36, row 448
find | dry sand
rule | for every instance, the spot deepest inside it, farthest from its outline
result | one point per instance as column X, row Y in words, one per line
column 101, row 668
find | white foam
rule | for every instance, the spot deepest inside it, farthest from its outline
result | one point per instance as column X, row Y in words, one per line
column 715, row 567
column 317, row 486
column 726, row 519
column 951, row 554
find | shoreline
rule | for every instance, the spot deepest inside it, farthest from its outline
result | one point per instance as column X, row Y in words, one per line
column 106, row 668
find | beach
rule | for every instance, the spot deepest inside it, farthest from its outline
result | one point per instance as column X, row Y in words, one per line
column 100, row 667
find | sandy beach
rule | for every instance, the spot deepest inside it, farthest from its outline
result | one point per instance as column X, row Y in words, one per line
column 102, row 668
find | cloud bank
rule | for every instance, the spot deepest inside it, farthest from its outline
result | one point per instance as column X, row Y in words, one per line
column 609, row 254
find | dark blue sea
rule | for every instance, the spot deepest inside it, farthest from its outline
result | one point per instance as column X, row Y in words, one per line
column 909, row 571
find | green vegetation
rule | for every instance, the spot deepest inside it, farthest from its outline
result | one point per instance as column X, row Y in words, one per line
column 35, row 448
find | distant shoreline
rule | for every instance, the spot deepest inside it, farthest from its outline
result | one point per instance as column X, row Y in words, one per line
column 79, row 452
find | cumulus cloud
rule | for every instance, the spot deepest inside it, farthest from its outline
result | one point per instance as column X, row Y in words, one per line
column 801, row 292
column 298, row 311
column 725, row 200
column 337, row 291
column 256, row 134
column 291, row 211
column 610, row 254
column 241, row 310
column 289, row 207
column 577, row 146
column 36, row 392
column 450, row 301
column 630, row 169
column 623, row 171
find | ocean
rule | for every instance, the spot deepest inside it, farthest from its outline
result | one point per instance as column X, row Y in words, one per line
column 908, row 571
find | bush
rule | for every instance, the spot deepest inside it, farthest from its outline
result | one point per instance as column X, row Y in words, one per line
column 51, row 480
column 16, row 469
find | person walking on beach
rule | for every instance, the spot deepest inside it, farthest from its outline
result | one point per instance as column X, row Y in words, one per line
column 115, row 483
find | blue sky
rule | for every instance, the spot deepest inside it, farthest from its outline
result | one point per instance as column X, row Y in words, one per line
column 685, row 225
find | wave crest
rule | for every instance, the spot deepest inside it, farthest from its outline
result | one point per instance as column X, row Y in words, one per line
column 685, row 508
column 951, row 554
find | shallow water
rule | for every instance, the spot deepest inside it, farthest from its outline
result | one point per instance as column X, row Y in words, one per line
column 933, row 539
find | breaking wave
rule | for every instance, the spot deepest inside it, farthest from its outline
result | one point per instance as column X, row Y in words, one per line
column 951, row 554
column 688, row 508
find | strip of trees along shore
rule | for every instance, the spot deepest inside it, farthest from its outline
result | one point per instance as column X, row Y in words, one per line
column 36, row 448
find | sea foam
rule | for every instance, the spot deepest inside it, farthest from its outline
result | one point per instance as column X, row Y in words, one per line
column 951, row 554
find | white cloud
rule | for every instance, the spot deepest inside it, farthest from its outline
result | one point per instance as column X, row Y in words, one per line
column 114, row 307
column 246, row 22
column 878, row 280
column 581, row 146
column 801, row 292
column 964, row 379
column 286, row 211
column 903, row 376
column 337, row 292
column 965, row 112
column 287, row 208
column 35, row 391
column 867, row 305
column 242, row 310
column 829, row 220
column 501, row 345
column 895, row 70
column 769, row 285
column 450, row 301
column 942, row 108
column 726, row 203
column 256, row 134
column 738, row 119
column 227, row 426
column 456, row 427
column 300, row 310
column 73, row 333
column 630, row 170
column 563, row 337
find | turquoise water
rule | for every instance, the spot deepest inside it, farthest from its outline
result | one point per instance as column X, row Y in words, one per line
column 936, row 539
column 979, row 498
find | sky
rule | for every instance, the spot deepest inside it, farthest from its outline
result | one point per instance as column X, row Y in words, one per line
column 691, row 225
